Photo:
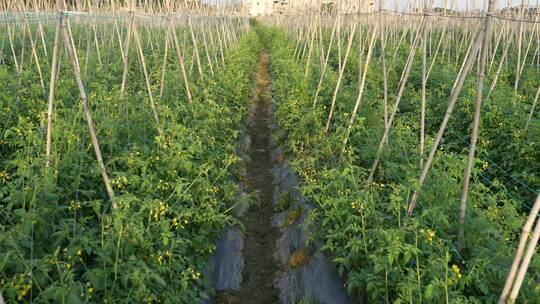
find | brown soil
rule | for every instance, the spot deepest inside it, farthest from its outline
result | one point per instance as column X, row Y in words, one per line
column 260, row 237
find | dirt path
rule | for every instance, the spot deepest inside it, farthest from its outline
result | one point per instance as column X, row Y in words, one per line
column 260, row 237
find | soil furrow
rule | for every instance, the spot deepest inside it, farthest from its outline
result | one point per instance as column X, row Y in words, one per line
column 260, row 268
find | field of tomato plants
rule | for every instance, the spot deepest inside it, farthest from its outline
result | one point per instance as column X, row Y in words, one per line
column 173, row 181
column 332, row 113
column 181, row 152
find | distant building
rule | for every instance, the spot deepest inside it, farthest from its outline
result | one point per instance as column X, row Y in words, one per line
column 291, row 7
column 259, row 7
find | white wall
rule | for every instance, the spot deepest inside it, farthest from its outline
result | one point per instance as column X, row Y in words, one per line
column 260, row 7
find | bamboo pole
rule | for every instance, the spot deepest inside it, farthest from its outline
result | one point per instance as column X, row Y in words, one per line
column 469, row 60
column 319, row 85
column 52, row 88
column 195, row 47
column 87, row 59
column 524, row 61
column 165, row 56
column 383, row 61
column 40, row 28
column 13, row 50
column 529, row 117
column 72, row 42
column 23, row 48
column 119, row 36
column 126, row 55
column 311, row 46
column 360, row 89
column 181, row 60
column 146, row 77
column 497, row 74
column 206, row 50
column 512, row 285
column 402, row 83
column 338, row 84
column 476, row 122
column 423, row 93
column 520, row 42
column 525, row 262
column 34, row 51
column 87, row 112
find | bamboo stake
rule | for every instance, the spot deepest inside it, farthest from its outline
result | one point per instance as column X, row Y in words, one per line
column 181, row 60
column 42, row 36
column 221, row 46
column 402, row 83
column 476, row 122
column 520, row 39
column 167, row 35
column 213, row 45
column 195, row 47
column 89, row 119
column 96, row 42
column 13, row 50
column 87, row 59
column 126, row 56
column 119, row 39
column 23, row 49
column 529, row 118
column 308, row 61
column 495, row 49
column 34, row 52
column 341, row 71
column 206, row 50
column 524, row 61
column 2, row 50
column 72, row 42
column 518, row 258
column 458, row 86
column 383, row 59
column 497, row 74
column 146, row 77
column 525, row 262
column 319, row 85
column 423, row 101
column 52, row 88
column 361, row 88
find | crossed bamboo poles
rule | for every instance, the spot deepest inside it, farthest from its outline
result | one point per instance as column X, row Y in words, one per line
column 218, row 32
column 372, row 30
column 420, row 28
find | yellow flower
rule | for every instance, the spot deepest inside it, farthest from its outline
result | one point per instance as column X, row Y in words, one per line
column 24, row 291
column 162, row 185
column 68, row 266
column 119, row 182
column 195, row 275
column 456, row 270
column 430, row 234
column 4, row 177
column 73, row 205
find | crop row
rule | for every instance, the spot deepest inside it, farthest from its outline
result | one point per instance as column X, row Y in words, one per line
column 61, row 240
column 384, row 254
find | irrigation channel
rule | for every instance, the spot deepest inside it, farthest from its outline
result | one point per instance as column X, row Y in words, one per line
column 270, row 260
column 260, row 236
